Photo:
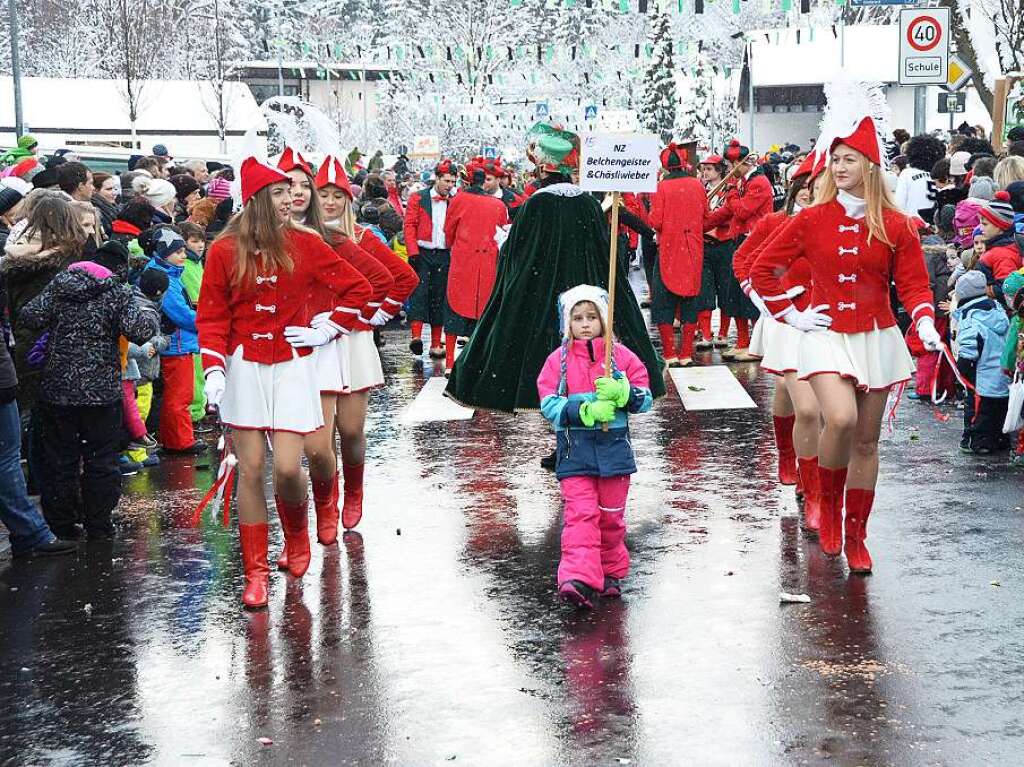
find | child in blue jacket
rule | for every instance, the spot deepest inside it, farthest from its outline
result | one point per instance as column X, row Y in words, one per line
column 981, row 336
column 592, row 464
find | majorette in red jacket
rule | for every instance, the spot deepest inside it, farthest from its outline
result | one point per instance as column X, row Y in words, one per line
column 254, row 316
column 747, row 202
column 404, row 276
column 678, row 212
column 850, row 274
column 323, row 299
column 419, row 221
column 473, row 217
column 798, row 273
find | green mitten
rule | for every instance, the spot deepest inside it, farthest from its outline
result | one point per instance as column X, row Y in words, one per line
column 599, row 411
column 613, row 389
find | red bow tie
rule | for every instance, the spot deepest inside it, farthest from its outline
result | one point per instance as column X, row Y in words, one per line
column 439, row 198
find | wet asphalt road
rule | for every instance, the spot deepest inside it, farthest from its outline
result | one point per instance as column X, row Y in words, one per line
column 433, row 636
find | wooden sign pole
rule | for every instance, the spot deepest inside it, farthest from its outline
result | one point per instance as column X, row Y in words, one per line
column 999, row 93
column 613, row 271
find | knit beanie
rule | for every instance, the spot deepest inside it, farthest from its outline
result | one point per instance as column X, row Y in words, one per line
column 156, row 191
column 113, row 254
column 153, row 283
column 45, row 179
column 166, row 242
column 27, row 141
column 12, row 190
column 218, row 189
column 998, row 211
column 184, row 185
column 1016, row 193
column 567, row 300
column 98, row 271
column 971, row 285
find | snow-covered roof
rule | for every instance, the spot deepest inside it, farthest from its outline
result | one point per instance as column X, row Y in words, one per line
column 872, row 53
column 350, row 66
column 97, row 105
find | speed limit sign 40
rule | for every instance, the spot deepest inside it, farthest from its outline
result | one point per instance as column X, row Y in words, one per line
column 924, row 46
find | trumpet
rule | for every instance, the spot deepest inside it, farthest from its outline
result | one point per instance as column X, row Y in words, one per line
column 750, row 161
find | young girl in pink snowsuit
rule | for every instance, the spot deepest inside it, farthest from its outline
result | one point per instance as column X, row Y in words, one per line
column 593, row 465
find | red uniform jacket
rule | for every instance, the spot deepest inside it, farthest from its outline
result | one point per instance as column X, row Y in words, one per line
column 419, row 222
column 678, row 212
column 322, row 299
column 469, row 229
column 635, row 205
column 404, row 276
column 396, row 201
column 799, row 272
column 850, row 274
column 254, row 316
column 751, row 199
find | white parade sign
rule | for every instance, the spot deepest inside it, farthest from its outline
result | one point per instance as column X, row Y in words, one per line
column 425, row 147
column 619, row 162
column 924, row 46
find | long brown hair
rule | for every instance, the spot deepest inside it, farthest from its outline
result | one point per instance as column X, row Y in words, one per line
column 261, row 239
column 56, row 223
column 877, row 198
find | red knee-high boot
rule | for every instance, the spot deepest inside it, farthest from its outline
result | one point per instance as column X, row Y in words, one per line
column 449, row 350
column 704, row 323
column 254, row 562
column 686, row 350
column 858, row 509
column 742, row 333
column 325, row 500
column 668, row 342
column 832, row 484
column 352, row 509
column 787, row 453
column 295, row 525
column 416, row 341
column 723, row 329
column 808, row 473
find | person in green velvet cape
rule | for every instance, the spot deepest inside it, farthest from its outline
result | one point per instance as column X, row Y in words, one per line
column 559, row 239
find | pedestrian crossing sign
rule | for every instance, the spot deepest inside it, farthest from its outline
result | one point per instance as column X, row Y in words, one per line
column 590, row 112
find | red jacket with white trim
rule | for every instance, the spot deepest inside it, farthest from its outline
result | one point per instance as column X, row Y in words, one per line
column 678, row 213
column 797, row 275
column 473, row 218
column 404, row 276
column 745, row 204
column 419, row 220
column 254, row 316
column 850, row 274
column 323, row 298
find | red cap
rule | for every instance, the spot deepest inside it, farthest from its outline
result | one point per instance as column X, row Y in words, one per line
column 332, row 173
column 675, row 157
column 736, row 151
column 864, row 139
column 494, row 168
column 290, row 160
column 446, row 166
column 255, row 175
column 806, row 168
column 712, row 159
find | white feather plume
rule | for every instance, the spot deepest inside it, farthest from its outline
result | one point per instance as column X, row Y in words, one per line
column 848, row 101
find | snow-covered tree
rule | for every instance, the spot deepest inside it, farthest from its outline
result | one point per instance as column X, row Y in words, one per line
column 701, row 104
column 658, row 100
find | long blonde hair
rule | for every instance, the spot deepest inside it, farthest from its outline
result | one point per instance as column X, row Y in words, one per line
column 877, row 197
column 1008, row 170
column 261, row 239
column 87, row 209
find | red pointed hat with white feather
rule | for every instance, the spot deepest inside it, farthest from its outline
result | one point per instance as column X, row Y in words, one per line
column 857, row 116
column 332, row 173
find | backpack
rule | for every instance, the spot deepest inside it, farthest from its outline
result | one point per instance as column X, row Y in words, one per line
column 966, row 218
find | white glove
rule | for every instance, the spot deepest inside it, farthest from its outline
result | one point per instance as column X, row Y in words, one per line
column 928, row 334
column 380, row 318
column 757, row 301
column 301, row 337
column 808, row 320
column 214, row 388
column 320, row 320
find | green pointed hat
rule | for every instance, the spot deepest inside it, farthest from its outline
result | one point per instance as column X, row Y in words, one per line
column 553, row 149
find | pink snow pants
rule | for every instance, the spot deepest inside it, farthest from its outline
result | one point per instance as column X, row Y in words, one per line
column 133, row 424
column 594, row 530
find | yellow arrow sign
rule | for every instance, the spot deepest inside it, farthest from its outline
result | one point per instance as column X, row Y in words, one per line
column 958, row 71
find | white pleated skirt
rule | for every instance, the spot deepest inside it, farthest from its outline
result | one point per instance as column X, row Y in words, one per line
column 360, row 362
column 327, row 362
column 782, row 347
column 874, row 360
column 278, row 397
column 758, row 337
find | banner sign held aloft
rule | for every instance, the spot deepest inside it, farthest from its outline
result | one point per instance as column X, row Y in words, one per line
column 619, row 162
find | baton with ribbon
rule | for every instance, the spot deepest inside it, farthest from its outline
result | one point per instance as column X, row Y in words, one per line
column 219, row 494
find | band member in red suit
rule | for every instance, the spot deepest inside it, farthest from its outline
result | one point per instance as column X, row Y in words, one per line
column 332, row 360
column 795, row 413
column 717, row 276
column 494, row 174
column 358, row 360
column 256, row 346
column 857, row 243
column 678, row 210
column 749, row 198
column 474, row 217
column 430, row 256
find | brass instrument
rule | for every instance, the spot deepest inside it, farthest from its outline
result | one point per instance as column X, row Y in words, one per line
column 750, row 161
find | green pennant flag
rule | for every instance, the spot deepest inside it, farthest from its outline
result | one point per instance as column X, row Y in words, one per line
column 736, row 6
column 787, row 5
column 623, row 6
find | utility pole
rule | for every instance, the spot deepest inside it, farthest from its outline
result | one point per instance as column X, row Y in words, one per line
column 12, row 20
column 750, row 90
column 366, row 96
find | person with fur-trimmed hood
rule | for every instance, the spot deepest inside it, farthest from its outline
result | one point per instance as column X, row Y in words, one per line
column 473, row 219
column 430, row 255
column 677, row 214
column 593, row 464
